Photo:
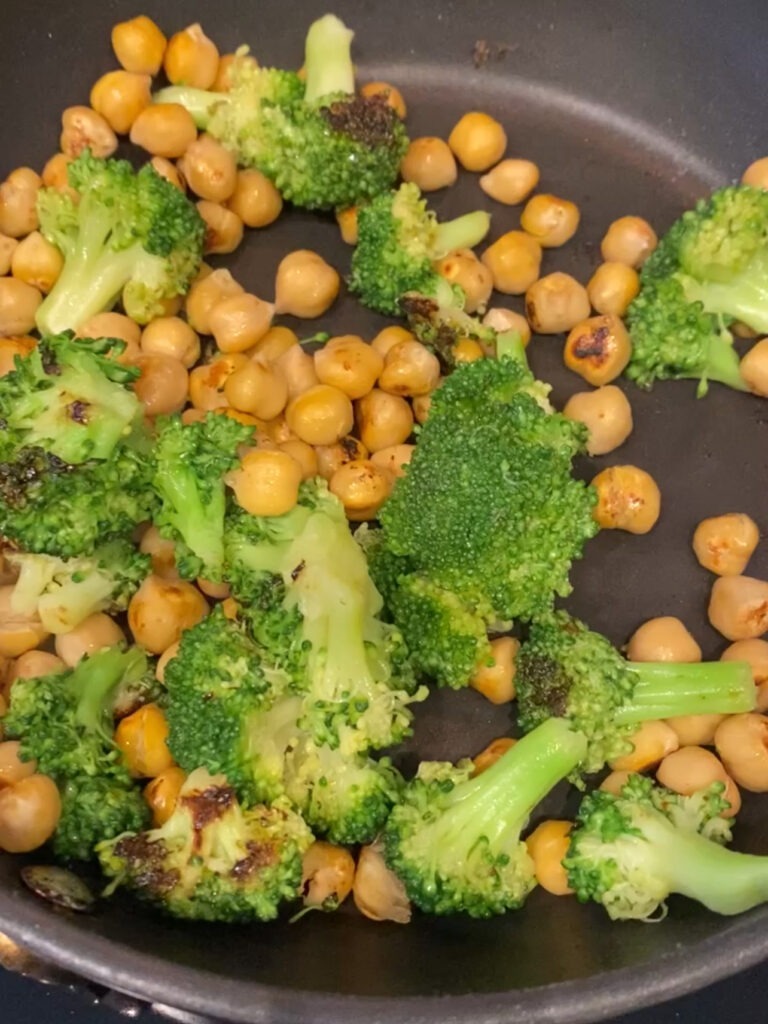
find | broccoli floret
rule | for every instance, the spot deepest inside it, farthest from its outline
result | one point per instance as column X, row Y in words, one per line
column 565, row 669
column 455, row 841
column 190, row 461
column 130, row 234
column 398, row 241
column 323, row 147
column 212, row 860
column 64, row 592
column 710, row 268
column 65, row 723
column 630, row 852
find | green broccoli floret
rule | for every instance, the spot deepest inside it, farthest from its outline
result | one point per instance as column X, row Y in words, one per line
column 212, row 860
column 455, row 841
column 399, row 240
column 65, row 723
column 630, row 852
column 190, row 461
column 322, row 146
column 709, row 269
column 64, row 592
column 130, row 234
column 566, row 670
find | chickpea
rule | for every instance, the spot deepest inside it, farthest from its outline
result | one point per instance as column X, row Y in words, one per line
column 162, row 794
column 327, row 875
column 18, row 209
column 25, row 177
column 239, row 321
column 612, row 287
column 378, row 892
column 8, row 246
column 162, row 662
column 163, row 129
column 741, row 742
column 410, row 369
column 475, row 279
column 429, row 163
column 29, row 814
column 550, row 220
column 256, row 389
column 55, row 174
column 162, row 551
column 628, row 498
column 478, row 141
column 362, row 486
column 266, row 483
column 163, row 384
column 383, row 420
column 82, row 128
column 210, row 170
column 114, row 325
column 724, row 544
column 347, row 221
column 607, row 415
column 12, row 768
column 514, row 261
column 207, row 293
column 92, row 634
column 496, row 680
column 141, row 737
column 223, row 228
column 691, row 769
column 489, row 755
column 171, row 336
column 191, row 58
column 255, row 199
column 467, row 350
column 320, row 415
column 10, row 349
column 207, row 382
column 298, row 369
column 511, row 181
column 651, row 743
column 331, row 457
column 614, row 782
column 139, row 45
column 18, row 632
column 548, row 846
column 394, row 459
column 306, row 286
column 390, row 336
column 37, row 262
column 389, row 93
column 502, row 320
column 275, row 344
column 754, row 368
column 161, row 610
column 755, row 652
column 217, row 591
column 170, row 172
column 556, row 303
column 349, row 364
column 738, row 607
column 629, row 240
column 120, row 96
column 756, row 174
column 598, row 349
column 663, row 639
column 35, row 663
column 302, row 453
column 695, row 730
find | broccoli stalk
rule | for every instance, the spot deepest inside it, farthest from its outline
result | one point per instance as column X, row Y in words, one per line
column 455, row 841
column 328, row 60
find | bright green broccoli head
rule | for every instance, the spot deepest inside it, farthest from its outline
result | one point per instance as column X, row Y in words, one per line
column 94, row 809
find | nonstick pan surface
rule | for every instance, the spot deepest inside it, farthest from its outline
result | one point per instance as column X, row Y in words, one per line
column 628, row 107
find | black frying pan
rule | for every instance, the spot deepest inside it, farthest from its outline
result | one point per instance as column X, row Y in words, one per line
column 628, row 107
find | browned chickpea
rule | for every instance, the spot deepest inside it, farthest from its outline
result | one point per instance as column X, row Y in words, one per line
column 478, row 141
column 320, row 415
column 223, row 228
column 556, row 303
column 139, row 45
column 628, row 498
column 755, row 652
column 327, row 874
column 378, row 892
column 629, row 240
column 663, row 639
column 331, row 456
column 550, row 220
column 206, row 382
column 475, row 279
column 738, row 607
column 612, row 287
column 348, row 363
column 756, row 174
column 724, row 544
column 607, row 415
column 161, row 610
column 754, row 368
column 163, row 384
column 511, row 181
column 120, row 96
column 362, row 486
column 82, row 128
column 429, row 163
column 390, row 93
column 163, row 129
column 209, row 169
column 514, row 261
column 410, row 370
column 383, row 420
column 191, row 58
column 598, row 349
column 306, row 286
column 255, row 199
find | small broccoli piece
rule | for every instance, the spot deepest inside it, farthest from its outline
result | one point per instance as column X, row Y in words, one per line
column 190, row 461
column 630, row 852
column 64, row 592
column 94, row 808
column 566, row 670
column 455, row 841
column 398, row 241
column 212, row 860
column 130, row 234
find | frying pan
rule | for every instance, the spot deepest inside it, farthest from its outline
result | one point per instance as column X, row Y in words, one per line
column 628, row 107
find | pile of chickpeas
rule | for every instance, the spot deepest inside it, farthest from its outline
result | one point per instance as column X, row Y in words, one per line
column 347, row 412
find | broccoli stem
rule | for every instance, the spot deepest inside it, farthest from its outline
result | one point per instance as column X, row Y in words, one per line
column 667, row 689
column 745, row 298
column 509, row 345
column 198, row 102
column 722, row 365
column 463, row 232
column 328, row 59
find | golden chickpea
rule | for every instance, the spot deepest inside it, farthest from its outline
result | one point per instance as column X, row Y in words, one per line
column 18, row 306
column 347, row 221
column 163, row 384
column 298, row 369
column 556, row 303
column 754, row 368
column 691, row 769
column 320, row 415
column 629, row 240
column 478, row 141
column 514, row 261
column 266, row 483
column 82, row 128
column 489, row 755
column 327, row 874
column 115, row 325
column 191, row 58
column 496, row 680
column 738, row 607
column 33, row 664
column 607, row 415
column 306, row 286
column 257, row 389
column 547, row 846
column 275, row 344
column 614, row 782
column 550, row 220
column 218, row 591
column 390, row 336
column 467, row 350
column 741, row 742
column 651, row 743
column 11, row 348
column 410, row 370
column 206, row 382
column 142, row 737
column 429, row 163
column 628, row 498
column 18, row 209
column 362, row 486
column 162, row 794
column 755, row 652
column 663, row 639
column 25, row 177
column 255, row 199
column 207, row 293
column 598, row 349
column 378, row 893
column 238, row 322
column 756, row 174
column 511, row 181
column 161, row 610
column 170, row 172
column 724, row 544
column 120, row 96
column 390, row 93
column 612, row 287
column 349, row 364
column 209, row 169
column 139, row 45
column 162, row 662
column 695, row 730
column 223, row 228
column 37, row 262
column 302, row 453
column 331, row 456
column 475, row 279
column 12, row 768
column 395, row 459
column 171, row 336
column 29, row 814
column 162, row 551
column 92, row 634
column 502, row 320
column 163, row 129
column 383, row 420
column 8, row 246
column 55, row 174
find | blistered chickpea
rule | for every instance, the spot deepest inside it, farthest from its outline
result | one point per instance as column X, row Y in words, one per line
column 695, row 730
column 692, row 769
column 304, row 454
column 377, row 891
column 162, row 794
column 274, row 344
column 511, row 181
column 266, row 483
column 35, row 663
column 756, row 174
column 651, row 743
column 306, row 286
column 257, row 389
column 598, row 349
column 550, row 220
column 628, row 498
column 347, row 221
column 120, row 96
column 223, row 228
column 37, row 262
column 663, row 639
column 475, row 279
column 629, row 240
column 754, row 368
column 389, row 93
column 614, row 782
column 238, row 322
column 362, row 486
column 489, row 755
column 18, row 305
column 29, row 813
column 607, row 415
column 383, row 420
column 556, row 303
column 162, row 551
column 191, row 58
column 331, row 456
column 327, row 874
column 204, row 294
column 612, row 287
column 395, row 459
column 210, row 170
column 738, row 607
column 410, row 370
column 161, row 610
column 429, row 163
column 755, row 653
column 8, row 246
column 162, row 385
column 502, row 320
column 320, row 415
column 171, row 336
column 478, row 141
column 114, row 325
column 390, row 336
column 163, row 129
column 349, row 364
column 92, row 634
column 255, row 199
column 724, row 544
column 82, row 128
column 548, row 845
column 514, row 261
column 496, row 679
column 139, row 45
column 298, row 369
column 741, row 742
